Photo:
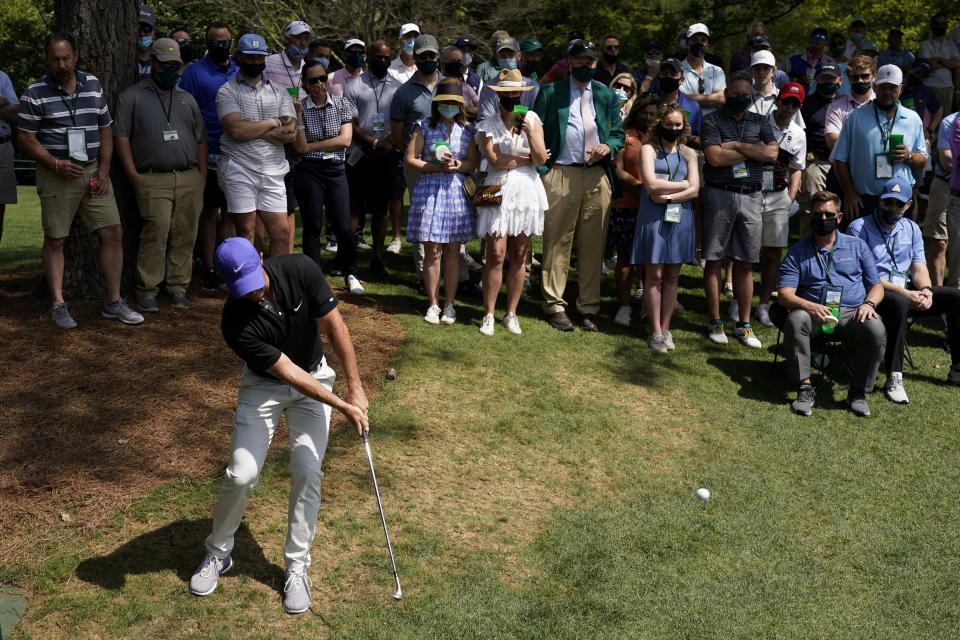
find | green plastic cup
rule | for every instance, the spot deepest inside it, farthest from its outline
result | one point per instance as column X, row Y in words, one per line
column 896, row 139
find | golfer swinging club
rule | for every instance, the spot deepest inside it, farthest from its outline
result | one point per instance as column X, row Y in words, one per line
column 273, row 320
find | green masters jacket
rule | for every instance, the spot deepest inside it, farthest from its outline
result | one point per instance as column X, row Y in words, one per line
column 553, row 107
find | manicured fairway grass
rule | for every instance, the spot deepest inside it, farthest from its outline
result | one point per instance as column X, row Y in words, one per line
column 543, row 486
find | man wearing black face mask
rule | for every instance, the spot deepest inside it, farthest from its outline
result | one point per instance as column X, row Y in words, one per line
column 897, row 246
column 354, row 59
column 702, row 82
column 203, row 80
column 187, row 52
column 830, row 278
column 944, row 57
column 671, row 74
column 814, row 112
column 451, row 66
column 610, row 66
column 861, row 72
column 161, row 142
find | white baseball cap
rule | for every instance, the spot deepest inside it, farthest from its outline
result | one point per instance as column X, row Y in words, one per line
column 763, row 57
column 698, row 28
column 889, row 74
column 297, row 27
column 409, row 28
column 354, row 42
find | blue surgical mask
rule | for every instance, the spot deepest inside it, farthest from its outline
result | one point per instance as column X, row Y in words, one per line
column 324, row 61
column 297, row 52
column 508, row 63
column 408, row 45
column 144, row 42
column 621, row 95
column 448, row 110
column 467, row 59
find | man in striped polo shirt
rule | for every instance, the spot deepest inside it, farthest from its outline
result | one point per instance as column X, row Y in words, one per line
column 65, row 126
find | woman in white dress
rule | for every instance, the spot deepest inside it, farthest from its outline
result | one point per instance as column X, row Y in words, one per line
column 512, row 155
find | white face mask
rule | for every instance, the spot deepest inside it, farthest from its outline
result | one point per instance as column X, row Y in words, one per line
column 652, row 61
column 467, row 59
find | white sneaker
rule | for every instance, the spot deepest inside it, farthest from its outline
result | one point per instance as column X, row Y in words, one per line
column 433, row 315
column 895, row 391
column 678, row 308
column 354, row 285
column 715, row 331
column 512, row 324
column 449, row 315
column 394, row 246
column 763, row 315
column 745, row 335
column 472, row 264
column 637, row 294
column 734, row 310
column 728, row 288
column 486, row 325
column 603, row 268
column 331, row 246
column 658, row 343
column 668, row 340
column 623, row 316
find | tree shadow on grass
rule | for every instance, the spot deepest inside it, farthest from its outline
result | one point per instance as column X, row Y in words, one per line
column 178, row 547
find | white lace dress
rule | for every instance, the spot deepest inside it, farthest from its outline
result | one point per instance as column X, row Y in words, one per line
column 524, row 198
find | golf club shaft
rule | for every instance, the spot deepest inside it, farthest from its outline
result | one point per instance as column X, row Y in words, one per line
column 376, row 489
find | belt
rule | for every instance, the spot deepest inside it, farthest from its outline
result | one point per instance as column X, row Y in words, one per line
column 736, row 188
column 579, row 165
column 4, row 139
column 166, row 170
column 955, row 192
column 941, row 178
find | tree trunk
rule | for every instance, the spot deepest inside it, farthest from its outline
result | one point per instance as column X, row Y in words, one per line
column 106, row 34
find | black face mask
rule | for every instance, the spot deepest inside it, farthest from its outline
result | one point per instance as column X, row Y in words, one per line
column 428, row 67
column 643, row 124
column 187, row 53
column 860, row 88
column 378, row 67
column 252, row 69
column 218, row 54
column 913, row 81
column 822, row 227
column 669, row 85
column 890, row 216
column 827, row 88
column 698, row 49
column 530, row 68
column 938, row 31
column 509, row 103
column 670, row 135
column 610, row 58
column 452, row 69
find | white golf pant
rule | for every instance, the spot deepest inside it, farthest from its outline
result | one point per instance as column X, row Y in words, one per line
column 259, row 404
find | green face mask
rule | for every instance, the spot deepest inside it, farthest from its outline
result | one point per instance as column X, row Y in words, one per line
column 166, row 79
column 738, row 104
column 583, row 74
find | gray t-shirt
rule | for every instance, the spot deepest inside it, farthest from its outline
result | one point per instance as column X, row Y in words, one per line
column 147, row 119
column 254, row 103
column 369, row 98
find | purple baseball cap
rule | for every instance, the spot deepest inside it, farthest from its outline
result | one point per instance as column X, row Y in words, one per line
column 239, row 265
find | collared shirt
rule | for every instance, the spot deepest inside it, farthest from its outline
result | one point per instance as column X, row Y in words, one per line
column 281, row 71
column 6, row 90
column 713, row 80
column 488, row 69
column 490, row 100
column 340, row 78
column 814, row 111
column 895, row 249
column 369, row 96
column 400, row 71
column 143, row 114
column 260, row 332
column 800, row 64
column 572, row 152
column 48, row 111
column 942, row 77
column 719, row 127
column 851, row 266
column 921, row 99
column 955, row 152
column 793, row 144
column 203, row 80
column 254, row 103
column 604, row 77
column 838, row 111
column 943, row 142
column 144, row 68
column 472, row 79
column 902, row 59
column 323, row 123
column 766, row 104
column 861, row 141
column 410, row 105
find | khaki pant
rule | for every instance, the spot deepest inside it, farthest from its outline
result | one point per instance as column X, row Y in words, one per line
column 579, row 200
column 935, row 220
column 952, row 278
column 814, row 180
column 945, row 96
column 170, row 205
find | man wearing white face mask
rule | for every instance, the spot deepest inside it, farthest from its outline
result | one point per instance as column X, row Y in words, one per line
column 404, row 66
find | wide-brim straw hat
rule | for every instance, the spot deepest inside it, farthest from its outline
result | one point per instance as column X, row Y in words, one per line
column 510, row 80
column 444, row 91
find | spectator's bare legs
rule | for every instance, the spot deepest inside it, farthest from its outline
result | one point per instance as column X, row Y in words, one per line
column 492, row 275
column 51, row 257
column 936, row 260
column 743, row 287
column 431, row 271
column 517, row 271
column 378, row 228
column 652, row 294
column 396, row 210
column 278, row 228
column 711, row 287
column 623, row 276
column 668, row 294
column 769, row 267
column 258, row 233
column 451, row 271
column 292, row 230
column 111, row 259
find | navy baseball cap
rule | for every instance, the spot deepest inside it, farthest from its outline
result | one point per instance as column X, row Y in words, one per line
column 146, row 16
column 897, row 188
column 252, row 43
column 466, row 41
column 239, row 265
column 583, row 48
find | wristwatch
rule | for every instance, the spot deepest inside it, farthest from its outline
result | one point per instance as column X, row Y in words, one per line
column 668, row 199
column 928, row 288
column 870, row 302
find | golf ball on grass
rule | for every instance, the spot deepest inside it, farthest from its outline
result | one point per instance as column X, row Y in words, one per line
column 703, row 494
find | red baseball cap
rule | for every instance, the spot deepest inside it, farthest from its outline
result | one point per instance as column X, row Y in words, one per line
column 792, row 90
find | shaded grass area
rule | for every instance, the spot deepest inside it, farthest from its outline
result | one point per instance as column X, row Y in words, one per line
column 542, row 486
column 22, row 234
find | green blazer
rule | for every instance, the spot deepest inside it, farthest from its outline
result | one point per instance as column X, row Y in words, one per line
column 553, row 107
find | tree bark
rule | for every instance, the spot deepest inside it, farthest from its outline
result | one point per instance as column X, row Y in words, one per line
column 105, row 32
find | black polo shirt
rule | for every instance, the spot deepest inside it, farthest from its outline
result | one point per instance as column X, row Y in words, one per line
column 814, row 112
column 719, row 127
column 259, row 332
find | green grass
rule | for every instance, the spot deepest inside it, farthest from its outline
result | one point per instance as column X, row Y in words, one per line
column 22, row 234
column 542, row 486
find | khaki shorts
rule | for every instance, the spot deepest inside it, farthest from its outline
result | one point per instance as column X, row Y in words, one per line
column 61, row 199
column 776, row 219
column 935, row 220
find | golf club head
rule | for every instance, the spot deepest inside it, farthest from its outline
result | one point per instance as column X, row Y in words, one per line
column 397, row 595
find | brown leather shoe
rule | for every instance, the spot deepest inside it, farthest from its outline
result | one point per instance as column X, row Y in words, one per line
column 560, row 321
column 589, row 323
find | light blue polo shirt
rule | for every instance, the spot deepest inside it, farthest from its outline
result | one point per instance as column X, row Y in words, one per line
column 860, row 141
column 852, row 268
column 904, row 242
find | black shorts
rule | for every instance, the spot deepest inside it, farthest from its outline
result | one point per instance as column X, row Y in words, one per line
column 371, row 181
column 213, row 197
column 291, row 196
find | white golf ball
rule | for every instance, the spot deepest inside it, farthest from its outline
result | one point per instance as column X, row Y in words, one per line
column 703, row 494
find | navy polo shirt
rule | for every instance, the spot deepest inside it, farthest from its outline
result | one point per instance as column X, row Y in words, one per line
column 853, row 268
column 203, row 80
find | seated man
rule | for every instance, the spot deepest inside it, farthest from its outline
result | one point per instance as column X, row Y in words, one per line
column 897, row 247
column 831, row 274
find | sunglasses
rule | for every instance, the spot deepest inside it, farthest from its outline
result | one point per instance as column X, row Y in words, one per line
column 315, row 80
column 653, row 52
column 223, row 44
column 792, row 104
column 612, row 47
column 818, row 36
column 169, row 66
column 829, row 215
column 184, row 41
column 625, row 87
column 145, row 28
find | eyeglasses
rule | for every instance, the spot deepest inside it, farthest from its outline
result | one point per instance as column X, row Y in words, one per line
column 315, row 80
column 223, row 44
column 169, row 66
column 653, row 52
